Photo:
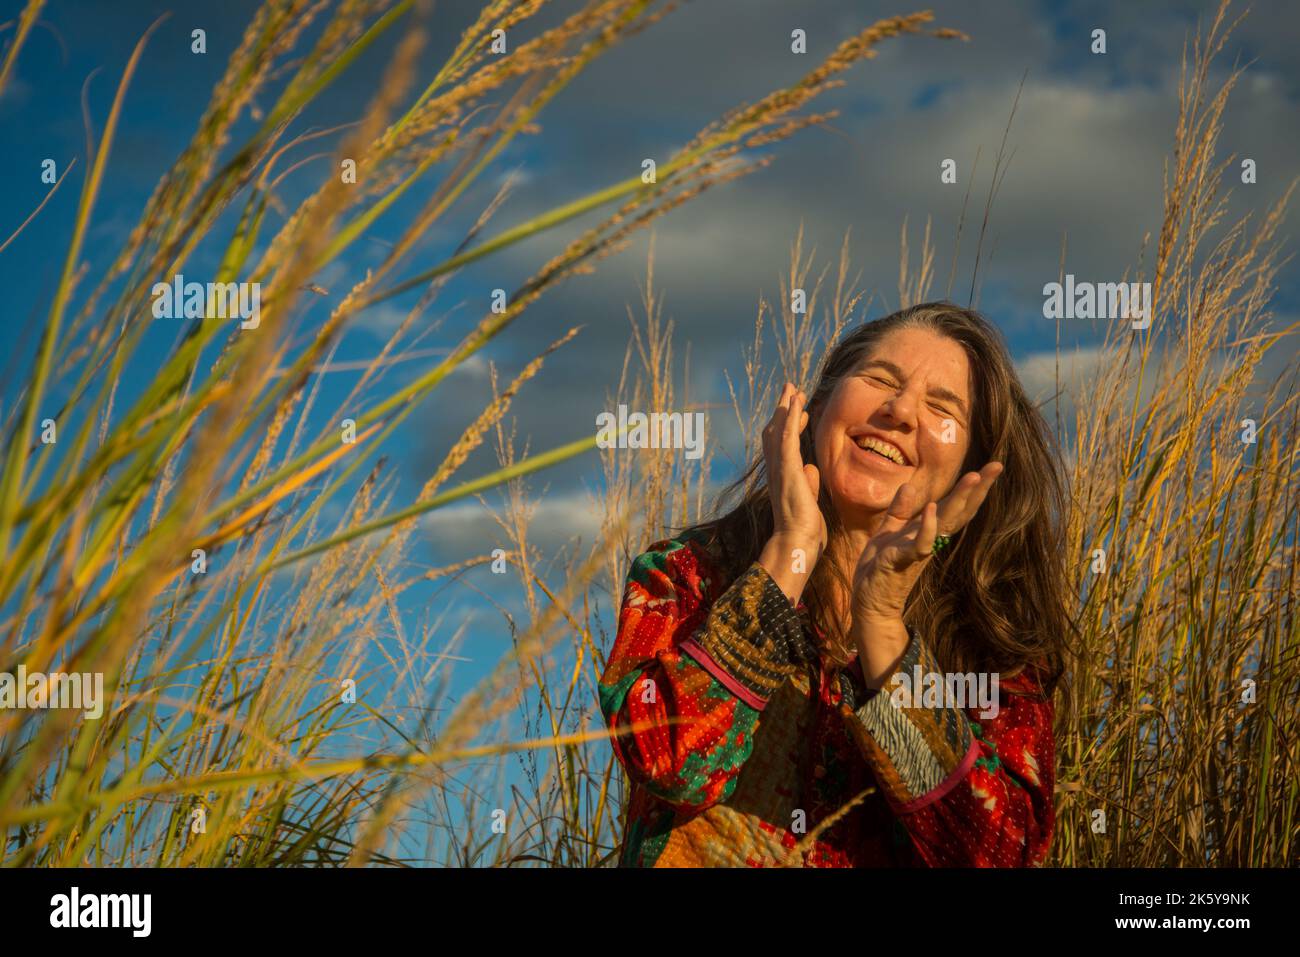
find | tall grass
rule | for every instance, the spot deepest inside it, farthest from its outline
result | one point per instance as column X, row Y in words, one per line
column 1188, row 676
column 229, row 739
column 1181, row 746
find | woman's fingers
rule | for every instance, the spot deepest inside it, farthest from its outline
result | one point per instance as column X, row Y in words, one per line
column 781, row 449
column 772, row 434
column 912, row 534
column 792, row 425
column 901, row 510
column 979, row 492
column 792, row 485
column 988, row 475
column 960, row 505
column 954, row 503
column 795, row 421
column 929, row 530
column 814, row 480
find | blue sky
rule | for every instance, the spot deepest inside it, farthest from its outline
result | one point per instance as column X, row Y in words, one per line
column 1090, row 138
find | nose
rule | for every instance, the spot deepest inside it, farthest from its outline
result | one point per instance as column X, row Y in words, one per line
column 901, row 408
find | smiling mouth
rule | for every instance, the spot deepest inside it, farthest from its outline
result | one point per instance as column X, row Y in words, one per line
column 886, row 450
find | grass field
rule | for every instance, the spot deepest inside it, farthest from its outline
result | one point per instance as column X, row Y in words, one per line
column 230, row 737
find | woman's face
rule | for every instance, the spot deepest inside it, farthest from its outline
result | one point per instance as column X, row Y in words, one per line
column 912, row 391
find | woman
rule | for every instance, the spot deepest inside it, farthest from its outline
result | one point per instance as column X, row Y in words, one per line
column 761, row 684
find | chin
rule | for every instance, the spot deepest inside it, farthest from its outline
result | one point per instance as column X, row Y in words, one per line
column 864, row 498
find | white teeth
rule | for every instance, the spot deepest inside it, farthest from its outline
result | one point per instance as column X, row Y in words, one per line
column 884, row 448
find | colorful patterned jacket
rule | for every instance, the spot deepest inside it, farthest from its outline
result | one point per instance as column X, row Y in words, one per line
column 742, row 744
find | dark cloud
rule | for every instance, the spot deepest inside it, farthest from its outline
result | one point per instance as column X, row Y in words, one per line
column 1088, row 147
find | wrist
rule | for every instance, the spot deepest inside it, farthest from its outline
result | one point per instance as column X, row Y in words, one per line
column 790, row 540
column 789, row 560
column 877, row 621
column 881, row 641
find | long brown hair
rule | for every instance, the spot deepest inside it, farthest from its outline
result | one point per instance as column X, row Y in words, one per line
column 995, row 599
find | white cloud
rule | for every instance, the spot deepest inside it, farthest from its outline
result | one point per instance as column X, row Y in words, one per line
column 1038, row 370
column 381, row 321
column 469, row 528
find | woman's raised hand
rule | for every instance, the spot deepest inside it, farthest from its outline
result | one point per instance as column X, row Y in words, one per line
column 798, row 527
column 893, row 560
column 897, row 553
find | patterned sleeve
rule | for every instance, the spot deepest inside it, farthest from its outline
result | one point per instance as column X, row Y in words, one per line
column 973, row 786
column 688, row 676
